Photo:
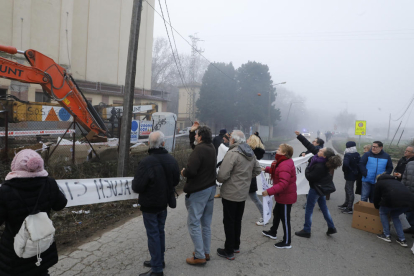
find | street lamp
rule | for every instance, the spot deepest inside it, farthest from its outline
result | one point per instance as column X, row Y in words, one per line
column 287, row 117
column 270, row 105
column 289, row 110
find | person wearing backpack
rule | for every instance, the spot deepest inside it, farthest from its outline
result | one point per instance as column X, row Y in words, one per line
column 350, row 169
column 27, row 190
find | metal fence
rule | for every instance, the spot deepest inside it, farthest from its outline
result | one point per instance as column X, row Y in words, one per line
column 58, row 142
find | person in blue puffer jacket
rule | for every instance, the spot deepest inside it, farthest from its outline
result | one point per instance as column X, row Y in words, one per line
column 374, row 162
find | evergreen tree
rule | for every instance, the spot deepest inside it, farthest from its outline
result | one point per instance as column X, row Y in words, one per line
column 254, row 78
column 217, row 93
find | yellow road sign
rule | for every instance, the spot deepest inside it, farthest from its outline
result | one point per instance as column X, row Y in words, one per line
column 360, row 127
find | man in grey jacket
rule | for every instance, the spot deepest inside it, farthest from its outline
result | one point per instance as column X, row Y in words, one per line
column 238, row 168
column 408, row 181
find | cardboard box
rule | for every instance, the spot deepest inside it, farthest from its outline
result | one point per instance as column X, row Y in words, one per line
column 366, row 218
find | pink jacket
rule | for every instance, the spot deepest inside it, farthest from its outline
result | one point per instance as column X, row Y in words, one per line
column 284, row 183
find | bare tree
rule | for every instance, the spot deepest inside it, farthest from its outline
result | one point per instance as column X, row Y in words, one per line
column 163, row 67
column 166, row 69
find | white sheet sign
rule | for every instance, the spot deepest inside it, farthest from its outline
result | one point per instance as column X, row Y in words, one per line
column 300, row 164
column 267, row 200
column 302, row 183
column 96, row 190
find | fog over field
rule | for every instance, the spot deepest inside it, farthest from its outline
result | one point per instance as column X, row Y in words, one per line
column 350, row 56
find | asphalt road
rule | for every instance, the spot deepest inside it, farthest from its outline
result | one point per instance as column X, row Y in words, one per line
column 349, row 252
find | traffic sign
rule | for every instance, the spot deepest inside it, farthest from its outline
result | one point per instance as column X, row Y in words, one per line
column 360, row 127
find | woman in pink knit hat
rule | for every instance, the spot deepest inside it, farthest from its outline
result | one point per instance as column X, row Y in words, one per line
column 26, row 184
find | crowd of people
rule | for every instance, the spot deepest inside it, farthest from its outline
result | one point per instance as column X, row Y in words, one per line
column 28, row 190
column 237, row 174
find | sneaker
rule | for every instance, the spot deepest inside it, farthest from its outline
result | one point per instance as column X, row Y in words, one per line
column 347, row 211
column 282, row 244
column 217, row 196
column 222, row 253
column 402, row 243
column 331, row 231
column 260, row 222
column 269, row 234
column 303, row 234
column 343, row 206
column 384, row 238
column 236, row 250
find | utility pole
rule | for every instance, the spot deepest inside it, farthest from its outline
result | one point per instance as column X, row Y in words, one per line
column 389, row 125
column 131, row 70
column 270, row 105
column 268, row 114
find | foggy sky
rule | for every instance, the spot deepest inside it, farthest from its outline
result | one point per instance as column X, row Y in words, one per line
column 338, row 54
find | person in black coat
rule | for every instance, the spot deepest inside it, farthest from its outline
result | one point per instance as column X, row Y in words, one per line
column 319, row 172
column 218, row 140
column 258, row 148
column 402, row 163
column 30, row 181
column 154, row 181
column 318, row 143
column 392, row 198
column 350, row 169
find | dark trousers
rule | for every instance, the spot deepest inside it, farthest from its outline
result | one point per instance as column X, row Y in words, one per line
column 232, row 220
column 155, row 224
column 281, row 212
column 349, row 193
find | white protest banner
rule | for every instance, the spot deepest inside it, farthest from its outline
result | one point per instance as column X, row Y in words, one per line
column 300, row 163
column 96, row 190
column 37, row 132
column 302, row 183
column 267, row 200
column 221, row 152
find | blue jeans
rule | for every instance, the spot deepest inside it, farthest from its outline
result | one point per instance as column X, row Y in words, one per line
column 200, row 213
column 155, row 224
column 257, row 201
column 367, row 192
column 394, row 213
column 311, row 200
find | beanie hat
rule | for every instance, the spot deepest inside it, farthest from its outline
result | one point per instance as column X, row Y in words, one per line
column 27, row 163
column 350, row 144
column 223, row 131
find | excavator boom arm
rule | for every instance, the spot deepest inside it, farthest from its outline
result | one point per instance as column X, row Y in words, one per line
column 55, row 81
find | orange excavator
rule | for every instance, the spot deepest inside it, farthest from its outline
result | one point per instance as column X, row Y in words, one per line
column 58, row 84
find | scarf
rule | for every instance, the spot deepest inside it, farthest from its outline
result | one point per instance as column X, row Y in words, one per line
column 350, row 150
column 278, row 159
column 317, row 159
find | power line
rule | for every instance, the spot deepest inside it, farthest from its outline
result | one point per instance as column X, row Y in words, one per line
column 172, row 49
column 409, row 116
column 173, row 36
column 192, row 47
column 412, row 99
